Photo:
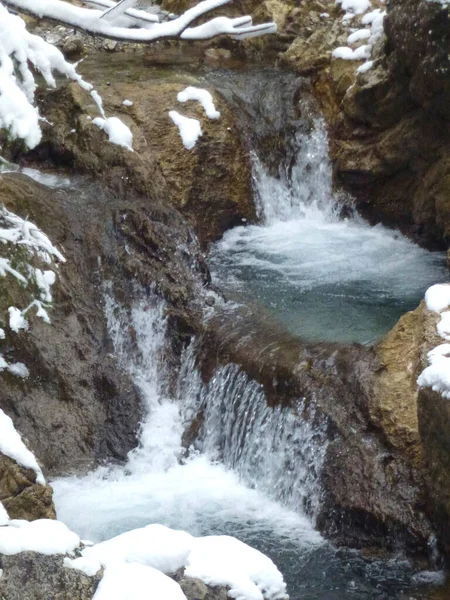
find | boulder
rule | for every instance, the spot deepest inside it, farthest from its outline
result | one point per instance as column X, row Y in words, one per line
column 21, row 495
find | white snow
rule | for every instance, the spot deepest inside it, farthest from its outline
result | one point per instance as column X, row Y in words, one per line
column 365, row 66
column 443, row 327
column 224, row 560
column 202, row 96
column 44, row 535
column 133, row 581
column 16, row 320
column 437, row 374
column 348, row 54
column 372, row 33
column 217, row 560
column 190, row 129
column 4, row 518
column 437, row 297
column 117, row 132
column 356, row 36
column 11, row 445
column 127, row 103
column 155, row 546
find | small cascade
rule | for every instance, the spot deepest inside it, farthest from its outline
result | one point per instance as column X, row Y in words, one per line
column 278, row 450
column 325, row 276
column 200, row 493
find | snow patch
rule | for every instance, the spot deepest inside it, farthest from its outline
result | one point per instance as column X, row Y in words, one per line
column 11, row 445
column 226, row 561
column 117, row 132
column 45, row 536
column 133, row 581
column 202, row 96
column 190, row 129
column 4, row 518
column 437, row 297
column 437, row 374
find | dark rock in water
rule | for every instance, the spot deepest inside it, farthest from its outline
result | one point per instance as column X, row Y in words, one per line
column 33, row 576
column 21, row 495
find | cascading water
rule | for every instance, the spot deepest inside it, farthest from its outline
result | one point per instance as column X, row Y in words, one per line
column 253, row 470
column 250, row 465
column 326, row 277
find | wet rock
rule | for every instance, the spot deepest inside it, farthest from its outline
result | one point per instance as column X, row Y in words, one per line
column 76, row 406
column 22, row 497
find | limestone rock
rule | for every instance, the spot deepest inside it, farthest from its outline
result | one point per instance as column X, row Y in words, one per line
column 210, row 184
column 33, row 576
column 22, row 497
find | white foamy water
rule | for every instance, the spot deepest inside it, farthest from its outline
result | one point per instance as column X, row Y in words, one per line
column 327, row 278
column 50, row 180
column 198, row 495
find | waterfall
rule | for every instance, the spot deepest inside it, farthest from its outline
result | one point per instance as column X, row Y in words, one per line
column 325, row 277
column 302, row 188
column 278, row 450
column 214, row 490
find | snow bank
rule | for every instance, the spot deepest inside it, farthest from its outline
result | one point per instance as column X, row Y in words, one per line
column 190, row 129
column 44, row 535
column 155, row 546
column 437, row 374
column 217, row 560
column 223, row 560
column 133, row 581
column 12, row 445
column 117, row 132
column 202, row 96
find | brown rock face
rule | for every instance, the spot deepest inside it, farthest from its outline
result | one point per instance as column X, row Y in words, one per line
column 210, row 184
column 390, row 136
column 22, row 497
